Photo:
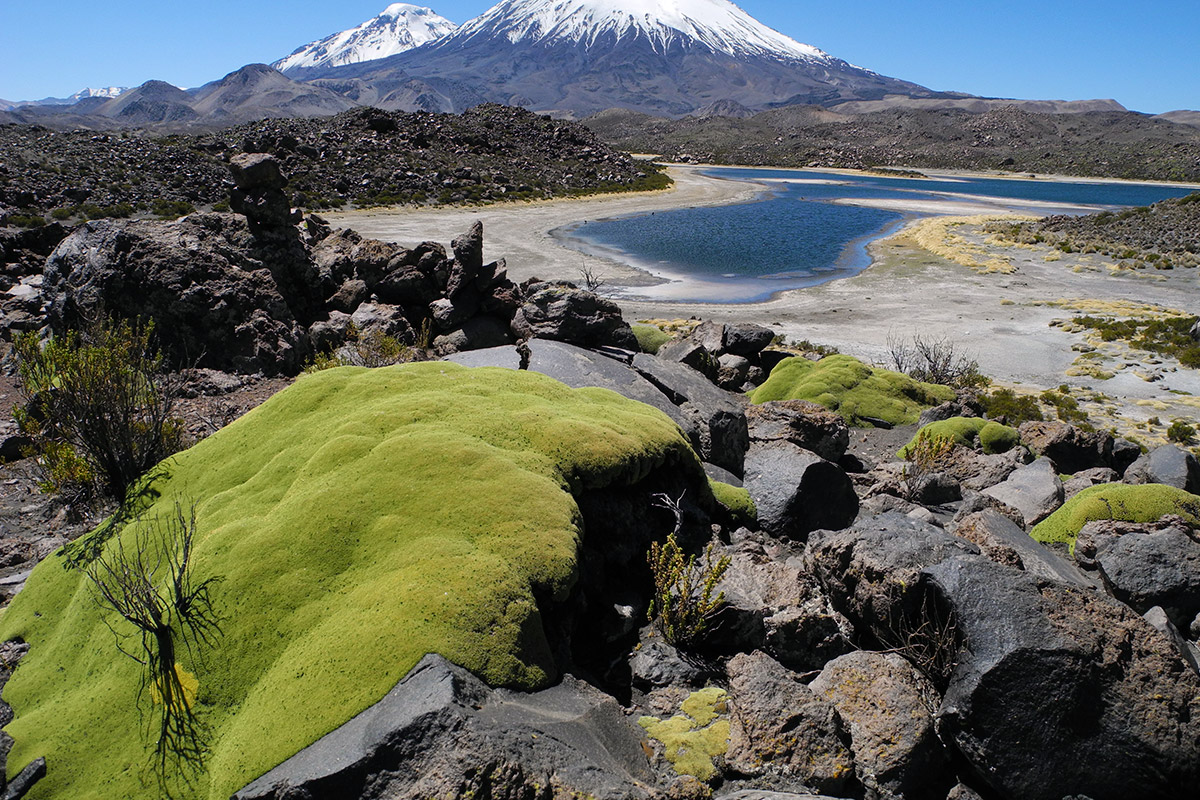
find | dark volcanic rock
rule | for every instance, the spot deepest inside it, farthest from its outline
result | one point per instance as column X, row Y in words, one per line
column 802, row 423
column 567, row 314
column 1168, row 464
column 773, row 604
column 213, row 301
column 1063, row 692
column 452, row 736
column 884, row 702
column 1154, row 569
column 1071, row 449
column 781, row 728
column 718, row 416
column 797, row 491
column 1004, row 542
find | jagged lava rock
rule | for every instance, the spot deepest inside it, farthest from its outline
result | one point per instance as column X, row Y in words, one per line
column 884, row 701
column 802, row 423
column 562, row 312
column 1034, row 490
column 1168, row 464
column 781, row 728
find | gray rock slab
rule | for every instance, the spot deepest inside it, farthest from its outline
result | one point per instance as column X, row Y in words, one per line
column 796, row 491
column 432, row 732
column 1033, row 490
column 1003, row 541
column 1168, row 464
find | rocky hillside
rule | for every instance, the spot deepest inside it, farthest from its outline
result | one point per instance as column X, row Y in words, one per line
column 1163, row 235
column 363, row 156
column 1099, row 144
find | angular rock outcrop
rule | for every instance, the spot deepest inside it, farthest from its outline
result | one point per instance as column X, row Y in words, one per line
column 781, row 728
column 1034, row 491
column 885, row 704
column 802, row 423
column 450, row 735
column 797, row 491
column 562, row 312
column 1170, row 465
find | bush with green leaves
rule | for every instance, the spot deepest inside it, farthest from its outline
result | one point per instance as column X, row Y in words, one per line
column 100, row 410
column 683, row 599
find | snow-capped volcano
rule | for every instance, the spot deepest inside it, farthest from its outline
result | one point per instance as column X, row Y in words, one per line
column 400, row 27
column 716, row 24
column 576, row 57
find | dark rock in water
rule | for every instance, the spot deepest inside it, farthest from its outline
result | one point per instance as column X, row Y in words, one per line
column 802, row 423
column 773, row 604
column 566, row 314
column 1033, row 490
column 884, row 702
column 1062, row 692
column 198, row 278
column 1005, row 542
column 797, row 491
column 1144, row 570
column 1071, row 449
column 442, row 733
column 781, row 728
column 1167, row 464
column 718, row 416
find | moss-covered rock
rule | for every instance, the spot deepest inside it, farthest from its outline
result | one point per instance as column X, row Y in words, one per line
column 693, row 738
column 1143, row 503
column 355, row 521
column 965, row 432
column 844, row 384
column 736, row 500
column 650, row 337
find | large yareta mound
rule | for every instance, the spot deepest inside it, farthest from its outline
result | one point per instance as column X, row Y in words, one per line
column 846, row 385
column 354, row 522
column 1140, row 503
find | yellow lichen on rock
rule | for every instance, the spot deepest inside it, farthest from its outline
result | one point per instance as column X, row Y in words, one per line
column 693, row 739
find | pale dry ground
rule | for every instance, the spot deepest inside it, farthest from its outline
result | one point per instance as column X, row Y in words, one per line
column 935, row 278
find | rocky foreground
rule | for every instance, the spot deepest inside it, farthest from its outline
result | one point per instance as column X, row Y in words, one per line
column 1005, row 611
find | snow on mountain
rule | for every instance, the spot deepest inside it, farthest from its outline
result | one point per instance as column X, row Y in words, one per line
column 400, row 27
column 717, row 24
column 108, row 91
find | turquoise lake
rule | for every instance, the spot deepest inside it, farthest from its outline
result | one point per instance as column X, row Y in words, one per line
column 795, row 235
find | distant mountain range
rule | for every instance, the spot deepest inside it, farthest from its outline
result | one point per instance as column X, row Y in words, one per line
column 568, row 58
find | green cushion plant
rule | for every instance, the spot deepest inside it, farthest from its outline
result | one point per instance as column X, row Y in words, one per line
column 351, row 524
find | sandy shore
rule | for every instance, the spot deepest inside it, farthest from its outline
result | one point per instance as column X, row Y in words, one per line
column 1001, row 320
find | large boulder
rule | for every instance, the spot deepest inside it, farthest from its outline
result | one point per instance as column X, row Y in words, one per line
column 884, row 702
column 1005, row 542
column 215, row 304
column 1170, row 465
column 773, row 604
column 562, row 312
column 781, row 728
column 796, row 491
column 802, row 423
column 1144, row 570
column 1059, row 692
column 1071, row 449
column 718, row 416
column 1034, row 490
column 455, row 737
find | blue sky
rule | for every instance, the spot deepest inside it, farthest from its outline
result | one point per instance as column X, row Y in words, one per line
column 1144, row 55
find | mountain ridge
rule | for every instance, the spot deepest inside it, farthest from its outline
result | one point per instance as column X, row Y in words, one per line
column 400, row 27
